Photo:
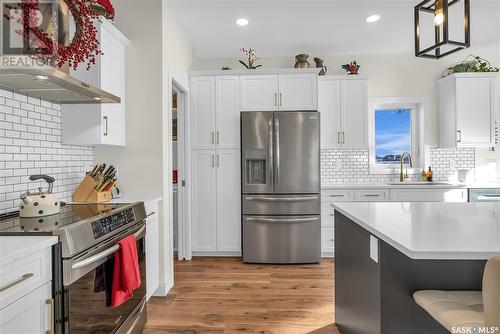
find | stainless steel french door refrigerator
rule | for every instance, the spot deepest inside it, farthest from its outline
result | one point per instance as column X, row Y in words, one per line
column 280, row 154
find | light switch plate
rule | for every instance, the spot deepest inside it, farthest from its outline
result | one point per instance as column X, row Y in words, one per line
column 374, row 248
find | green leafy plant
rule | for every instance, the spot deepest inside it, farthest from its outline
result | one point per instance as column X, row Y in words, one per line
column 470, row 64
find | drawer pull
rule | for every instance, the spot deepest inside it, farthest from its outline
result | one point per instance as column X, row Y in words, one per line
column 332, row 214
column 17, row 281
column 331, row 239
column 52, row 316
column 371, row 195
column 337, row 195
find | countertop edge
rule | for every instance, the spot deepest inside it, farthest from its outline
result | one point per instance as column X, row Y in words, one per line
column 406, row 186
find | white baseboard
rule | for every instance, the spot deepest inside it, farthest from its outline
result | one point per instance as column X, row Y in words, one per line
column 328, row 255
column 162, row 290
column 217, row 253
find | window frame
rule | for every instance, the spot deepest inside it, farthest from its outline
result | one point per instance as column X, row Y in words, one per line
column 417, row 105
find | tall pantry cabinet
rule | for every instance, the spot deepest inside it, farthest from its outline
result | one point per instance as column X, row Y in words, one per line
column 215, row 166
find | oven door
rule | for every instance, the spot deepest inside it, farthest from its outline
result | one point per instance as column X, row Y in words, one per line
column 88, row 280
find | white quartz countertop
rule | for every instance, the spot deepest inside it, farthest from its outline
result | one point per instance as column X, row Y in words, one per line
column 13, row 248
column 126, row 199
column 408, row 186
column 431, row 230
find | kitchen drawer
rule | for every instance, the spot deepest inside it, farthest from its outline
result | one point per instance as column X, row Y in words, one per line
column 281, row 204
column 327, row 214
column 327, row 241
column 151, row 207
column 20, row 277
column 338, row 195
column 428, row 195
column 371, row 195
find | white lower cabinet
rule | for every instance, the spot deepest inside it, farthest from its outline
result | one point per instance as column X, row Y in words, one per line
column 216, row 202
column 30, row 314
column 429, row 195
column 152, row 254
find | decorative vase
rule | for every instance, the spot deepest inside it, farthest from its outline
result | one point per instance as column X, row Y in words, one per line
column 301, row 61
column 319, row 64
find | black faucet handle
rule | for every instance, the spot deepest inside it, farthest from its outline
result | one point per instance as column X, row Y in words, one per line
column 48, row 179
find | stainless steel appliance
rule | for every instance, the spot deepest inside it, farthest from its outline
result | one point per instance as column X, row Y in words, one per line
column 280, row 185
column 484, row 195
column 83, row 263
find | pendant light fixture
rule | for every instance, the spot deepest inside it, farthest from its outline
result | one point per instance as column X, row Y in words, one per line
column 443, row 45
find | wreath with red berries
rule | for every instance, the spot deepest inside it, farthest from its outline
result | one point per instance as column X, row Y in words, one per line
column 84, row 46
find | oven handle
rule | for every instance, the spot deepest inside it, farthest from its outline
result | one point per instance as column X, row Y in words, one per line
column 103, row 254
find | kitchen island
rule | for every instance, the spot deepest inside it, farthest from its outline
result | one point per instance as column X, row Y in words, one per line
column 386, row 251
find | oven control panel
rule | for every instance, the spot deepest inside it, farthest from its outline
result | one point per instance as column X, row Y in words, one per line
column 109, row 224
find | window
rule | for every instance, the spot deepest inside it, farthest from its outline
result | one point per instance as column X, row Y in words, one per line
column 396, row 127
column 392, row 134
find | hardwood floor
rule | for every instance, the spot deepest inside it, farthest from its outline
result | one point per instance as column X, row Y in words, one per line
column 224, row 295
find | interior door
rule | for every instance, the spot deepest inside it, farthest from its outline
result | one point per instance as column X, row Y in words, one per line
column 228, row 201
column 354, row 115
column 298, row 92
column 227, row 117
column 259, row 92
column 296, row 154
column 204, row 219
column 329, row 108
column 257, row 151
column 203, row 112
column 474, row 111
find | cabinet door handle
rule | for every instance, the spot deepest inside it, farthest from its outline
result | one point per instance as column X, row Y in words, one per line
column 51, row 303
column 275, row 99
column 343, row 137
column 459, row 136
column 213, row 137
column 17, row 281
column 213, row 161
column 217, row 160
column 218, row 138
column 281, row 99
column 338, row 137
column 371, row 195
column 105, row 119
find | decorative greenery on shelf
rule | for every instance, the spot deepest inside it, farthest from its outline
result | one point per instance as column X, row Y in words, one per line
column 250, row 54
column 470, row 64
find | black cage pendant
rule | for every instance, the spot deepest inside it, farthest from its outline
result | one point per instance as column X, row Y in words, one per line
column 443, row 45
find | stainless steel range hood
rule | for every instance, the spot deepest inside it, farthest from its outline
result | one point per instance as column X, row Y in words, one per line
column 48, row 83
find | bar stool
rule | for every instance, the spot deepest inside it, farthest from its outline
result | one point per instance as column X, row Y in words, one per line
column 454, row 309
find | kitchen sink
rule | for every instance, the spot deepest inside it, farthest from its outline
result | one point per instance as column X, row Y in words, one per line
column 420, row 183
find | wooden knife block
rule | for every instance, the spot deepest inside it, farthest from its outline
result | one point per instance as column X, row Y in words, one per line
column 86, row 192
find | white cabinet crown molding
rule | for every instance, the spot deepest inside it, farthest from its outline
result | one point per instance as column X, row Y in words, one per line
column 260, row 71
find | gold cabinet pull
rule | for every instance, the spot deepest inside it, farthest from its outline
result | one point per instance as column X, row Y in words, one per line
column 17, row 281
column 51, row 303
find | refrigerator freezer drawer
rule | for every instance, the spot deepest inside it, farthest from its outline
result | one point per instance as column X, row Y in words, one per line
column 281, row 239
column 281, row 204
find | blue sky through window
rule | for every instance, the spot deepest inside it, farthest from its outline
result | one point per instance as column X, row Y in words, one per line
column 392, row 134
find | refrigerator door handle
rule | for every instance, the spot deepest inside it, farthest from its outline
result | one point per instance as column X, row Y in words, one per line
column 277, row 153
column 282, row 199
column 271, row 154
column 282, row 220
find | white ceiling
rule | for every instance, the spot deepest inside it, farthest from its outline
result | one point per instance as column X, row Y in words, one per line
column 284, row 28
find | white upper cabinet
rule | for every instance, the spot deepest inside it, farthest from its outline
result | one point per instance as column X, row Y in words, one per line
column 203, row 111
column 279, row 92
column 467, row 110
column 100, row 124
column 342, row 103
column 215, row 105
column 297, row 92
column 227, row 117
column 259, row 92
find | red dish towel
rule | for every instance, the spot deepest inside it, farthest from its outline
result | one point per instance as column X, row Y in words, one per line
column 126, row 275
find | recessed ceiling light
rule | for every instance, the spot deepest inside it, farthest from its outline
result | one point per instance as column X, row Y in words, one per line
column 242, row 21
column 41, row 77
column 97, row 98
column 373, row 18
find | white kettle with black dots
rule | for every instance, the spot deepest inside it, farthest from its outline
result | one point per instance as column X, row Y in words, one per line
column 41, row 203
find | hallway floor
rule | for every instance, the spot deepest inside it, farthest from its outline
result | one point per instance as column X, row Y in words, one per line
column 224, row 295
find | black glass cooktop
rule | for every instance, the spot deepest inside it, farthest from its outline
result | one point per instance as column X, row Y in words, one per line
column 70, row 214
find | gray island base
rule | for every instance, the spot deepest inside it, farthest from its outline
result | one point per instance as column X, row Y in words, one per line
column 375, row 279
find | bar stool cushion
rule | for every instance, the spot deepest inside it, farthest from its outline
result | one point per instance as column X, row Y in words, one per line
column 452, row 308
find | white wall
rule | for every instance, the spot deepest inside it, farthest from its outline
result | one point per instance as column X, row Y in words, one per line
column 395, row 75
column 142, row 167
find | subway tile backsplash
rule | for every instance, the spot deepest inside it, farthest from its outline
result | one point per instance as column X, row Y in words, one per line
column 351, row 166
column 30, row 143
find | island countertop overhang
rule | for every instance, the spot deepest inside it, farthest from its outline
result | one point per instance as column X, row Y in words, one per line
column 431, row 231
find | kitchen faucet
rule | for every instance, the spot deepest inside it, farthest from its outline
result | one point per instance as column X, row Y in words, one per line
column 403, row 176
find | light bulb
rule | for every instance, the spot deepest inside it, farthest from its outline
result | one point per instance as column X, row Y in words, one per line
column 438, row 17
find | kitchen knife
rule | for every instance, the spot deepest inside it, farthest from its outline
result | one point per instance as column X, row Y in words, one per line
column 94, row 170
column 109, row 170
